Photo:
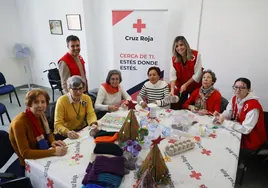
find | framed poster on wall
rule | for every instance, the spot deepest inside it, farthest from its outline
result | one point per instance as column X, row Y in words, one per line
column 74, row 22
column 55, row 27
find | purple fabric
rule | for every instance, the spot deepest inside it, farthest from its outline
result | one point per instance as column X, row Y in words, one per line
column 113, row 165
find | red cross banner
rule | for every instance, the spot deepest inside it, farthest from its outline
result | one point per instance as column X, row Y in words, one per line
column 139, row 38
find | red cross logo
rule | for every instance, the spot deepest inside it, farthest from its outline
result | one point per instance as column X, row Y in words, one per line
column 195, row 175
column 139, row 25
column 203, row 186
column 212, row 135
column 207, row 152
column 77, row 156
column 50, row 183
column 27, row 168
column 172, row 141
column 197, row 138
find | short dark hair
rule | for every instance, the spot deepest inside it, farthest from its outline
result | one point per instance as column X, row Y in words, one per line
column 111, row 73
column 213, row 75
column 157, row 69
column 33, row 94
column 245, row 80
column 71, row 38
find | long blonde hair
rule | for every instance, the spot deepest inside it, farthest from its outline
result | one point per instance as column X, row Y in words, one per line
column 189, row 54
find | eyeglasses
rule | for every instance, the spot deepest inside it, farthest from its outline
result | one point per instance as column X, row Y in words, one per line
column 239, row 88
column 77, row 89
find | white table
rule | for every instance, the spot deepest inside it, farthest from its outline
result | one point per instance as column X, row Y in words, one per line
column 212, row 163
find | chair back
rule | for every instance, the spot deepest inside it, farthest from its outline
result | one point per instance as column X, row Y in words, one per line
column 24, row 182
column 2, row 79
column 2, row 108
column 266, row 123
column 93, row 95
column 50, row 114
column 224, row 103
column 5, row 147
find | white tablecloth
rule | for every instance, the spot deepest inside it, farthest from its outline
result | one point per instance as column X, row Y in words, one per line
column 212, row 163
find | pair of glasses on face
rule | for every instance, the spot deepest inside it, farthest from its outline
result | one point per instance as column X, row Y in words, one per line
column 75, row 89
column 239, row 88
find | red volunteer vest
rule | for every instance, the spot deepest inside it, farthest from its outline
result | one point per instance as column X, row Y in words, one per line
column 73, row 68
column 257, row 136
column 184, row 73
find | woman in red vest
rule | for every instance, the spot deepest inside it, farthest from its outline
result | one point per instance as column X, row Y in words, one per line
column 248, row 116
column 206, row 99
column 185, row 71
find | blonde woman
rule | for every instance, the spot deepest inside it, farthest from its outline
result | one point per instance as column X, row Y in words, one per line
column 185, row 70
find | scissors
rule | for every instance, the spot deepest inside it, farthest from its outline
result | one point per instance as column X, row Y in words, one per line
column 167, row 158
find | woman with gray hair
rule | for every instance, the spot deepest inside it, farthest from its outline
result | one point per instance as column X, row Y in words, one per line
column 74, row 110
column 205, row 100
column 111, row 93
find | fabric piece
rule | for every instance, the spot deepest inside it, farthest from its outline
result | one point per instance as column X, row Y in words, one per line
column 38, row 133
column 102, row 164
column 104, row 133
column 204, row 94
column 93, row 156
column 114, row 165
column 110, row 89
column 110, row 139
column 108, row 148
column 110, row 178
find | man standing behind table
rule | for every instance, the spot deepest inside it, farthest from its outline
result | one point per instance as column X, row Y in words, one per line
column 72, row 63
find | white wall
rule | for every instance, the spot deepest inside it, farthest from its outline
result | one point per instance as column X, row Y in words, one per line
column 34, row 19
column 233, row 43
column 183, row 20
column 9, row 35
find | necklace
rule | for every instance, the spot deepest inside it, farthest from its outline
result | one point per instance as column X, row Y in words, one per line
column 77, row 113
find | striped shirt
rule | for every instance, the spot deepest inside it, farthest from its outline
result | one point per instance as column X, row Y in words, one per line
column 154, row 92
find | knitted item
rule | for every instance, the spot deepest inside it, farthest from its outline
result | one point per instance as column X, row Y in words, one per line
column 110, row 178
column 110, row 139
column 108, row 148
column 113, row 165
column 93, row 156
column 93, row 186
column 104, row 133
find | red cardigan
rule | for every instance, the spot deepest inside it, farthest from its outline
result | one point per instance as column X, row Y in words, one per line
column 213, row 102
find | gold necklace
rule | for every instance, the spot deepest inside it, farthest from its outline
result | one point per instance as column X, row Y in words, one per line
column 77, row 113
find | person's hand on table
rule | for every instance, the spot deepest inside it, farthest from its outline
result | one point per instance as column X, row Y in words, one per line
column 216, row 114
column 124, row 104
column 143, row 104
column 60, row 151
column 183, row 88
column 58, row 143
column 93, row 130
column 72, row 135
column 192, row 108
column 202, row 112
column 113, row 108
